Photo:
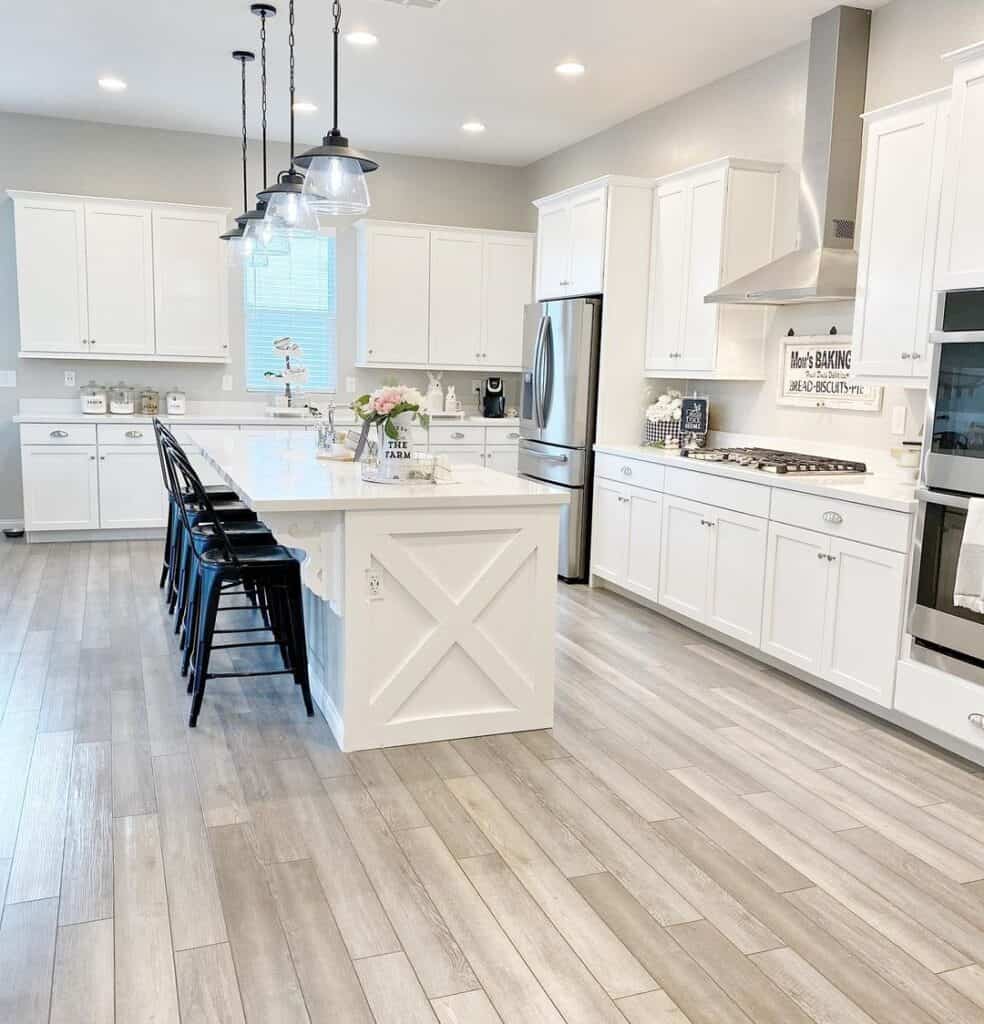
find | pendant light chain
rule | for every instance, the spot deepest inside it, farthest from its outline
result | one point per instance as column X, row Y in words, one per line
column 290, row 45
column 336, row 13
column 242, row 63
column 263, row 88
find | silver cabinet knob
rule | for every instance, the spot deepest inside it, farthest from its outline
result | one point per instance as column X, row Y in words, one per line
column 831, row 558
column 513, row 436
column 134, row 433
column 916, row 355
column 92, row 341
column 835, row 518
column 626, row 471
column 58, row 433
column 92, row 458
column 102, row 458
column 821, row 555
column 906, row 355
column 976, row 719
column 458, row 436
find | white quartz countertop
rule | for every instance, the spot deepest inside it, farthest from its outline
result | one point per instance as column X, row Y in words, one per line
column 342, row 416
column 278, row 472
column 883, row 490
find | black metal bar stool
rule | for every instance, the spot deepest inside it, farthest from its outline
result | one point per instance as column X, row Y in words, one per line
column 273, row 572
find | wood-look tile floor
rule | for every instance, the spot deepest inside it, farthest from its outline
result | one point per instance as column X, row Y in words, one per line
column 699, row 839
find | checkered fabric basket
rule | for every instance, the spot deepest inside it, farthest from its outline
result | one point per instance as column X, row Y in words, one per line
column 663, row 434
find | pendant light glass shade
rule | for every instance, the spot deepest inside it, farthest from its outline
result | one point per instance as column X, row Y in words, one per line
column 336, row 185
column 288, row 209
column 266, row 237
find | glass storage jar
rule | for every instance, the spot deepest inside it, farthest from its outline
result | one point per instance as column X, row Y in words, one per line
column 176, row 405
column 150, row 402
column 92, row 397
column 121, row 399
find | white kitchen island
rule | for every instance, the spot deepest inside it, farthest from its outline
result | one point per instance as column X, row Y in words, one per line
column 429, row 608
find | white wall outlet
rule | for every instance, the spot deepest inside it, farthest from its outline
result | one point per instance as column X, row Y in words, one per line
column 70, row 378
column 898, row 420
column 374, row 585
column 351, row 385
column 227, row 382
column 8, row 378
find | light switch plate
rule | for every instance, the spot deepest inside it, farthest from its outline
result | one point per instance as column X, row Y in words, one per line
column 70, row 378
column 350, row 385
column 227, row 382
column 8, row 378
column 898, row 420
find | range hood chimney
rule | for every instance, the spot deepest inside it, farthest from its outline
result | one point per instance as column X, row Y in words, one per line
column 825, row 266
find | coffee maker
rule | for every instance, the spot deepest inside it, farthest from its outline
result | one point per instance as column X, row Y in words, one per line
column 493, row 399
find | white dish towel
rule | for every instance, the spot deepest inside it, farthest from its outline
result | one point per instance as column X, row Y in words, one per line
column 969, row 587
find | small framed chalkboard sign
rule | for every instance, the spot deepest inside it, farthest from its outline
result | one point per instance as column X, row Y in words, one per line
column 694, row 415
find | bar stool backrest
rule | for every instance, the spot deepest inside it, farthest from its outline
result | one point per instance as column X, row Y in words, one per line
column 162, row 434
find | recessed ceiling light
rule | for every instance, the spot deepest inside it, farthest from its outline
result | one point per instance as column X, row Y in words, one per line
column 475, row 127
column 570, row 69
column 361, row 39
column 111, row 84
column 303, row 107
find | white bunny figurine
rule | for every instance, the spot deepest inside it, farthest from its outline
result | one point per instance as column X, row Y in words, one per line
column 435, row 395
column 450, row 401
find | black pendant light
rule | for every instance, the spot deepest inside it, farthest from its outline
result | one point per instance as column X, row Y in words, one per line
column 287, row 207
column 243, row 57
column 335, row 180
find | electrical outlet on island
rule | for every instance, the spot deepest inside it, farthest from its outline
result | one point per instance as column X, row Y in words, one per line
column 70, row 378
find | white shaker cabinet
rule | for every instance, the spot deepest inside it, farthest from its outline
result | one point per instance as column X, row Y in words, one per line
column 711, row 224
column 571, row 242
column 120, row 277
column 456, row 284
column 51, row 285
column 191, row 299
column 503, row 459
column 131, row 491
column 61, row 487
column 903, row 179
column 507, row 291
column 960, row 255
column 625, row 536
column 460, row 454
column 686, row 546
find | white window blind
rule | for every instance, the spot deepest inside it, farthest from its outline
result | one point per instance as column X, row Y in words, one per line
column 294, row 296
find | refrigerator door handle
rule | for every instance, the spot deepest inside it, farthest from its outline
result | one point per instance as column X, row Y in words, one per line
column 537, row 352
column 544, row 457
column 544, row 370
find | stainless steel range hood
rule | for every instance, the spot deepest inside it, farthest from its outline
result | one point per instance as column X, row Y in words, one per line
column 825, row 266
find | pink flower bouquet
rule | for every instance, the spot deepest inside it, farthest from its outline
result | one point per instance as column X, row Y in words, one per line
column 386, row 403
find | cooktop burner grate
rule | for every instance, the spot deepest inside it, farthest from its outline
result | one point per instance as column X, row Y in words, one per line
column 770, row 461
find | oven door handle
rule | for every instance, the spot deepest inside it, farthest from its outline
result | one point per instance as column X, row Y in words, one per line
column 939, row 498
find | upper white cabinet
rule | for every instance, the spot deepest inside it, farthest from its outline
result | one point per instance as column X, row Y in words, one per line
column 960, row 256
column 191, row 301
column 446, row 298
column 571, row 242
column 711, row 224
column 119, row 279
column 903, row 178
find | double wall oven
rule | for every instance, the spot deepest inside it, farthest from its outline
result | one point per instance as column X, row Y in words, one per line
column 946, row 636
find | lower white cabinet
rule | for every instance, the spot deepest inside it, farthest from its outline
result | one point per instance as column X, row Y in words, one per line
column 626, row 536
column 61, row 487
column 131, row 491
column 461, row 454
column 833, row 608
column 712, row 566
column 503, row 459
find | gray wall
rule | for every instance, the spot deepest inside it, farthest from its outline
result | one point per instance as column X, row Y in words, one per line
column 82, row 158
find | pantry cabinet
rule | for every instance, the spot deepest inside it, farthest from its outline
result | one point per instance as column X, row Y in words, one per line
column 903, row 180
column 960, row 255
column 711, row 224
column 571, row 242
column 61, row 487
column 442, row 298
column 120, row 279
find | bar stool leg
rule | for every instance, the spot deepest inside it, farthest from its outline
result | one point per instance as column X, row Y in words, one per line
column 295, row 613
column 208, row 608
column 168, row 541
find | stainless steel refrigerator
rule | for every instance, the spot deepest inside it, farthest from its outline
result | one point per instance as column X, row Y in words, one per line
column 557, row 413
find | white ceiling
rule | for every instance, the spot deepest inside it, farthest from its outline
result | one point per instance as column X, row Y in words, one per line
column 490, row 60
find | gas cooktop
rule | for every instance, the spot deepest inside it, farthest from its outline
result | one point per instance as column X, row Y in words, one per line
column 770, row 461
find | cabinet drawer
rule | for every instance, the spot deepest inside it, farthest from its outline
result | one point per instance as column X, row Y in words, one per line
column 629, row 471
column 125, row 433
column 940, row 700
column 752, row 499
column 58, row 433
column 863, row 523
column 457, row 434
column 502, row 435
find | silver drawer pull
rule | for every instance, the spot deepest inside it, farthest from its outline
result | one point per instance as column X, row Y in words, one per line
column 976, row 719
column 134, row 434
column 58, row 433
column 513, row 436
column 458, row 436
column 626, row 471
column 833, row 517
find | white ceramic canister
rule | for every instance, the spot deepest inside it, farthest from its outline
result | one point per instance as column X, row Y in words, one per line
column 176, row 405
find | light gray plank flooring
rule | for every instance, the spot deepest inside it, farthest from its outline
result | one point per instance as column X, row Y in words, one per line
column 700, row 840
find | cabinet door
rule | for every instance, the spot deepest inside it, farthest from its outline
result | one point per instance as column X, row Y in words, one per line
column 589, row 212
column 795, row 596
column 685, row 548
column 503, row 459
column 863, row 620
column 397, row 294
column 61, row 488
column 960, row 257
column 190, row 295
column 119, row 272
column 736, row 575
column 461, row 454
column 553, row 258
column 609, row 530
column 131, row 491
column 456, row 298
column 896, row 251
column 51, row 288
column 706, row 246
column 668, row 278
column 645, row 527
column 508, row 290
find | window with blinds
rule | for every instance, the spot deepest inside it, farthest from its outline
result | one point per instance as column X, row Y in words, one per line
column 292, row 296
